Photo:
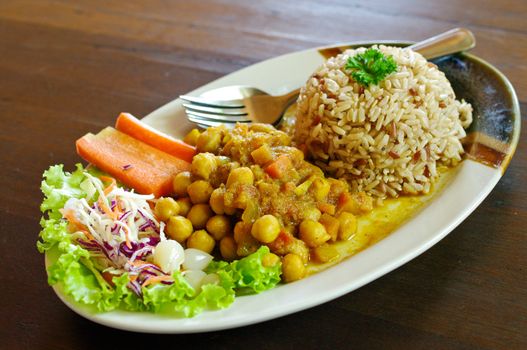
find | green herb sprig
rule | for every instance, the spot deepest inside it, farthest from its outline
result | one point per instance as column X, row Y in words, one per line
column 370, row 67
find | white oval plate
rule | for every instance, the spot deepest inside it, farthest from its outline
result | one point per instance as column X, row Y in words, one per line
column 470, row 185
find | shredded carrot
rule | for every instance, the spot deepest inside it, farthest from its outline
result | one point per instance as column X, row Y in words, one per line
column 157, row 279
column 107, row 178
column 133, row 278
column 117, row 209
column 119, row 205
column 106, row 209
column 127, row 237
column 88, row 235
column 137, row 263
column 111, row 186
column 79, row 226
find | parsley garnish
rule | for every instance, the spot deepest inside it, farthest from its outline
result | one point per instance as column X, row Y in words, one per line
column 370, row 67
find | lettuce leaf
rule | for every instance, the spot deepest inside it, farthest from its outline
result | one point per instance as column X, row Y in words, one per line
column 249, row 275
column 86, row 286
column 180, row 298
column 53, row 232
column 76, row 279
column 59, row 186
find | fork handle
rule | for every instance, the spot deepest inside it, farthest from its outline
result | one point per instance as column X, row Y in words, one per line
column 452, row 41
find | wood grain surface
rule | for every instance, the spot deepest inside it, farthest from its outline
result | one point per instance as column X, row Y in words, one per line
column 69, row 67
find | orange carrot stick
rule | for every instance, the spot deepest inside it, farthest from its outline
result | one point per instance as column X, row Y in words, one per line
column 132, row 126
column 134, row 163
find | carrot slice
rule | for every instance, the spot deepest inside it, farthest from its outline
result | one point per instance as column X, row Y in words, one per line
column 132, row 126
column 278, row 168
column 136, row 164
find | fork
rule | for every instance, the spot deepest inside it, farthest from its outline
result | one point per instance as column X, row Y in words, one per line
column 243, row 104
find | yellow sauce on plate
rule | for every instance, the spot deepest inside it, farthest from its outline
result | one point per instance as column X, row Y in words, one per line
column 383, row 220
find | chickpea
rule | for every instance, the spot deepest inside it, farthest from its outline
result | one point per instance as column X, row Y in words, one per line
column 270, row 260
column 201, row 240
column 181, row 182
column 313, row 233
column 216, row 200
column 192, row 137
column 348, row 225
column 184, row 205
column 199, row 214
column 209, row 141
column 165, row 208
column 293, row 268
column 228, row 248
column 179, row 228
column 199, row 191
column 219, row 226
column 203, row 164
column 241, row 175
column 312, row 214
column 266, row 228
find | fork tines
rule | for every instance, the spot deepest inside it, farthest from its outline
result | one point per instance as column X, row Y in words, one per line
column 211, row 113
column 212, row 103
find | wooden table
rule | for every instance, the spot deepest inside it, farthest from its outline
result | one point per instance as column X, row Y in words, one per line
column 69, row 67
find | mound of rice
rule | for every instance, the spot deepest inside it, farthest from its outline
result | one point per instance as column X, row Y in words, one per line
column 385, row 139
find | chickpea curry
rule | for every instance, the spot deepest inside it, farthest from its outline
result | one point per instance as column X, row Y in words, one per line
column 249, row 187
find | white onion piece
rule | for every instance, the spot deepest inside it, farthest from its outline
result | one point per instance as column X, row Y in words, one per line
column 194, row 278
column 169, row 255
column 211, row 278
column 196, row 259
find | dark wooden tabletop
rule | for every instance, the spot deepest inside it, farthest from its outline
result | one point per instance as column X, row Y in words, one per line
column 69, row 67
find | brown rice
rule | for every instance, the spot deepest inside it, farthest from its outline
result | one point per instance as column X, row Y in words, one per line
column 386, row 139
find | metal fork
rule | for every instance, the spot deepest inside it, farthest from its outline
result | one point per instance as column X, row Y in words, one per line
column 244, row 104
